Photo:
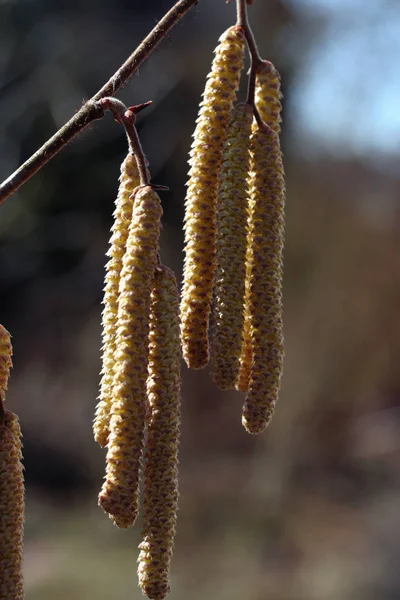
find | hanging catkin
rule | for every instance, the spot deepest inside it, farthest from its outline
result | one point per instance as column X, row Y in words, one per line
column 267, row 101
column 5, row 360
column 232, row 209
column 129, row 180
column 11, row 509
column 160, row 500
column 268, row 95
column 200, row 215
column 119, row 495
column 265, row 278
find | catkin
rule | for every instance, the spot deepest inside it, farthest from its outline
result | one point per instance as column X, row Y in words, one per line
column 265, row 278
column 120, row 494
column 160, row 500
column 268, row 95
column 200, row 215
column 267, row 100
column 11, row 509
column 232, row 208
column 5, row 360
column 129, row 180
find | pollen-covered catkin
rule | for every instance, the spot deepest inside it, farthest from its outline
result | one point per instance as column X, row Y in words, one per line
column 120, row 493
column 11, row 509
column 160, row 500
column 268, row 95
column 5, row 360
column 129, row 180
column 267, row 100
column 265, row 281
column 200, row 213
column 232, row 209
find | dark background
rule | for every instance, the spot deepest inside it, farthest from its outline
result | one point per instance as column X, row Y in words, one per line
column 309, row 510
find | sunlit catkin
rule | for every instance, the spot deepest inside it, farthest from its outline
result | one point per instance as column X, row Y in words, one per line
column 200, row 215
column 160, row 501
column 268, row 95
column 11, row 509
column 129, row 180
column 232, row 209
column 119, row 495
column 267, row 100
column 5, row 360
column 265, row 281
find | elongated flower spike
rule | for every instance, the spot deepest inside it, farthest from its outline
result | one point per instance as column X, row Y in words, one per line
column 120, row 493
column 232, row 209
column 160, row 500
column 267, row 100
column 265, row 281
column 129, row 180
column 5, row 360
column 268, row 95
column 11, row 509
column 200, row 215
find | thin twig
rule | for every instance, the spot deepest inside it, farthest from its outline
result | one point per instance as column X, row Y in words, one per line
column 91, row 110
column 127, row 118
column 243, row 21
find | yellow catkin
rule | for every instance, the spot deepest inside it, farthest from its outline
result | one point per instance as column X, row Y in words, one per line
column 129, row 180
column 232, row 208
column 265, row 281
column 11, row 509
column 268, row 95
column 160, row 500
column 5, row 360
column 267, row 99
column 200, row 215
column 120, row 494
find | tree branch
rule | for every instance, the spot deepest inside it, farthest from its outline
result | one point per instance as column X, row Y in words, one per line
column 91, row 110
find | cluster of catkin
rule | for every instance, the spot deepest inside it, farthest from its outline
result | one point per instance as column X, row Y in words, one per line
column 234, row 229
column 138, row 414
column 12, row 493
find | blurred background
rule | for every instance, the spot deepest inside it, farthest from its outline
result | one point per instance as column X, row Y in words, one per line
column 309, row 510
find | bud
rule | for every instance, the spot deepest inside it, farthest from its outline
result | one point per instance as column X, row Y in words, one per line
column 11, row 509
column 129, row 180
column 201, row 197
column 232, row 209
column 120, row 492
column 266, row 235
column 160, row 500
